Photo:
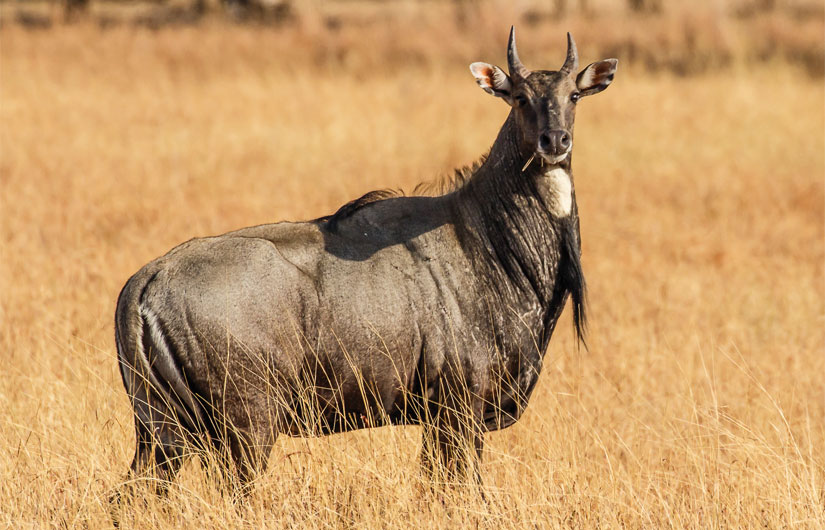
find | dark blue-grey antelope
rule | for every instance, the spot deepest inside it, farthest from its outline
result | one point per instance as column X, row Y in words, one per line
column 414, row 310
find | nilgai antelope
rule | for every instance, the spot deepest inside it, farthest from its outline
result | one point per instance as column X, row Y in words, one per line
column 395, row 310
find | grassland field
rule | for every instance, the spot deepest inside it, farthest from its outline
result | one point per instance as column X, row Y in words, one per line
column 699, row 404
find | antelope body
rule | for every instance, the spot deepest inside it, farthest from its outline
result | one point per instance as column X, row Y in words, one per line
column 395, row 310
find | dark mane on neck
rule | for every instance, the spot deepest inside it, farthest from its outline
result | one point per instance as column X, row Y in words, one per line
column 535, row 252
column 345, row 211
column 439, row 186
column 450, row 182
column 510, row 227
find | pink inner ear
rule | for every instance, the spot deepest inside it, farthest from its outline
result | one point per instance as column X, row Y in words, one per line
column 483, row 74
column 602, row 69
column 488, row 75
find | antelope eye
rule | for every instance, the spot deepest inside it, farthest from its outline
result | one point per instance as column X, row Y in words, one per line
column 574, row 97
column 521, row 100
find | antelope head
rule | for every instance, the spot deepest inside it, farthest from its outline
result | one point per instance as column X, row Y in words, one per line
column 544, row 102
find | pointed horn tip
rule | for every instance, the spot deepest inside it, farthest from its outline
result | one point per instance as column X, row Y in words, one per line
column 571, row 62
column 571, row 42
column 515, row 65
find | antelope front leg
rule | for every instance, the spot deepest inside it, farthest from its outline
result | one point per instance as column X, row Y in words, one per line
column 453, row 442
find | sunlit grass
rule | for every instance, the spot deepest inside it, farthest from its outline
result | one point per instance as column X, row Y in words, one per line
column 698, row 405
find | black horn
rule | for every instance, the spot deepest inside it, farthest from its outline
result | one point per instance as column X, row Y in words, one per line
column 571, row 63
column 513, row 62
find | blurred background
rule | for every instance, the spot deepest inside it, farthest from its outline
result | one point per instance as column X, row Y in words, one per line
column 684, row 38
column 129, row 127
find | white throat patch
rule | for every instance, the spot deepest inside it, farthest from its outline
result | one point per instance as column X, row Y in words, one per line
column 562, row 189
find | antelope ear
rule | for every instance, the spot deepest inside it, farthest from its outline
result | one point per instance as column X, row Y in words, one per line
column 493, row 80
column 596, row 77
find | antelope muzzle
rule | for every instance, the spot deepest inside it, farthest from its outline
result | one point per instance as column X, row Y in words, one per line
column 555, row 145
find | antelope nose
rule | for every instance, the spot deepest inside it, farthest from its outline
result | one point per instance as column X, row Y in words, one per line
column 564, row 141
column 555, row 142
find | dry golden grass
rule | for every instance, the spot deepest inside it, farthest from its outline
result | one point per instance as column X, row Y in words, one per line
column 700, row 403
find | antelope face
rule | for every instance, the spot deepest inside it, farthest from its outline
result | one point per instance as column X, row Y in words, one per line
column 544, row 102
